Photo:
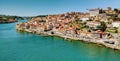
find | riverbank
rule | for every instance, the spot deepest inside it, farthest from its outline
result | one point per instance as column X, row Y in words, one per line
column 110, row 43
column 4, row 22
column 11, row 19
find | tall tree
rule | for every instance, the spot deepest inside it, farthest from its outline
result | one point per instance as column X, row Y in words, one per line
column 116, row 10
column 102, row 26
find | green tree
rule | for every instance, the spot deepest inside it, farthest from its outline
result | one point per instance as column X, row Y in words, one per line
column 102, row 26
column 116, row 10
column 101, row 11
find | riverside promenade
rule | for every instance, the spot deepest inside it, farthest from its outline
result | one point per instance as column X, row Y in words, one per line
column 110, row 43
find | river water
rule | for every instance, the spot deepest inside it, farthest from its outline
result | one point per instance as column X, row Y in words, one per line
column 22, row 46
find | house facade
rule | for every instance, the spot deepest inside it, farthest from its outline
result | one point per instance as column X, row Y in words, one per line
column 94, row 12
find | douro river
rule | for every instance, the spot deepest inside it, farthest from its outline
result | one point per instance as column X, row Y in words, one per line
column 22, row 46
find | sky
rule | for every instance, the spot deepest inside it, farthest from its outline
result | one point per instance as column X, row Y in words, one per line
column 45, row 7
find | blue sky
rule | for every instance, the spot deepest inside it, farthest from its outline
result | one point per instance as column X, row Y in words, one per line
column 43, row 7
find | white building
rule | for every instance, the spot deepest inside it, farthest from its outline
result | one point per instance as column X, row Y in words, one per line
column 84, row 19
column 94, row 12
column 115, row 24
column 93, row 24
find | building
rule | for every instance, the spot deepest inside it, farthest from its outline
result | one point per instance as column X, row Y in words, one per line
column 93, row 24
column 84, row 19
column 94, row 12
column 116, row 24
